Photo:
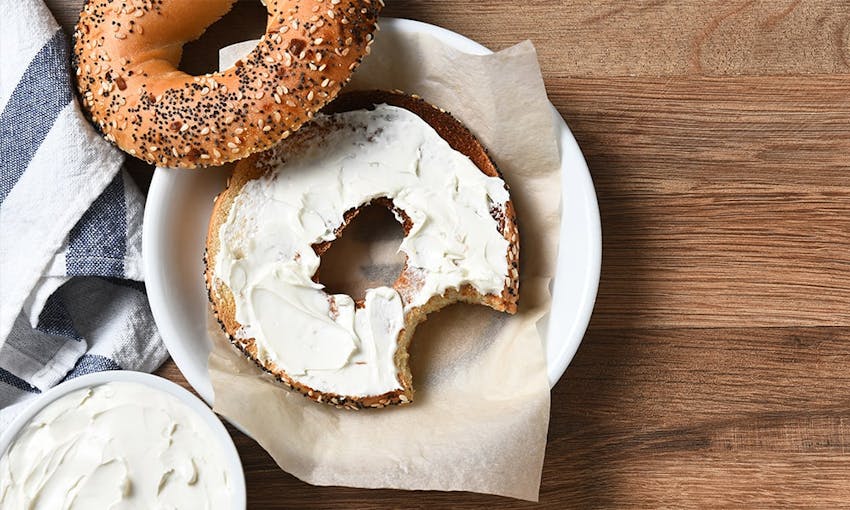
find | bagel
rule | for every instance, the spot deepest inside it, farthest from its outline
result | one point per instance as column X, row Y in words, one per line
column 283, row 208
column 126, row 55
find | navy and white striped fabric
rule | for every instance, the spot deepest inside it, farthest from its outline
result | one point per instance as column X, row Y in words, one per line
column 71, row 297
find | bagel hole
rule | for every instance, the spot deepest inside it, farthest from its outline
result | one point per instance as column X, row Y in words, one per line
column 365, row 255
column 246, row 20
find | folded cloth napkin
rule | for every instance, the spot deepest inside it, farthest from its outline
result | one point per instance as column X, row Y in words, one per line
column 71, row 297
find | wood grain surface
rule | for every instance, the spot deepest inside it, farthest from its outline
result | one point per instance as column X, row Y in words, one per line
column 715, row 369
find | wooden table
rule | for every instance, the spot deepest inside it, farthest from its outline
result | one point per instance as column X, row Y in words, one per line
column 715, row 370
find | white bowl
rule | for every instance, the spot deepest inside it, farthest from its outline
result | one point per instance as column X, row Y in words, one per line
column 225, row 443
column 178, row 209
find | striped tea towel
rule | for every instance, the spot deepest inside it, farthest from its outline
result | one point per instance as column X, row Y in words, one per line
column 71, row 297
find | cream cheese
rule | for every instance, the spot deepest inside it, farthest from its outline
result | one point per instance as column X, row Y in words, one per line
column 342, row 162
column 117, row 445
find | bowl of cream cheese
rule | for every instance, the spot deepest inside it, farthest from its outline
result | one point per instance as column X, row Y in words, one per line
column 119, row 439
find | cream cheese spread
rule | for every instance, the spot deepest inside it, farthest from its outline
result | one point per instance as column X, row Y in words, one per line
column 114, row 446
column 341, row 162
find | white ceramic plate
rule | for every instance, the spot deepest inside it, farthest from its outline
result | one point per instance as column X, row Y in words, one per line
column 180, row 202
column 231, row 457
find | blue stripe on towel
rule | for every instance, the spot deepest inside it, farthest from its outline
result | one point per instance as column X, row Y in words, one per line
column 89, row 363
column 32, row 110
column 16, row 382
column 54, row 319
column 96, row 245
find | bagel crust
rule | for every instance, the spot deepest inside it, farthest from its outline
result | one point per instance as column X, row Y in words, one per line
column 460, row 139
column 126, row 54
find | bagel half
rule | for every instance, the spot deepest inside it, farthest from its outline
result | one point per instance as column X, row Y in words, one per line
column 126, row 55
column 461, row 140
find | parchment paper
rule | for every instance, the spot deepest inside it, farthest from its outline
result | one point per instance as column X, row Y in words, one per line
column 481, row 408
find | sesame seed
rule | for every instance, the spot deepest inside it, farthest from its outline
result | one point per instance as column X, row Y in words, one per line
column 205, row 131
column 217, row 153
column 153, row 148
column 310, row 96
column 267, row 128
column 205, row 156
column 238, row 130
column 231, row 145
column 120, row 36
column 259, row 94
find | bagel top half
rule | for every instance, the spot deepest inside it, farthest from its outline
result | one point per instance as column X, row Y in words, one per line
column 127, row 52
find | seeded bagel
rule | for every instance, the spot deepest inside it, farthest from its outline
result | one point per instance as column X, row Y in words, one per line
column 126, row 55
column 255, row 167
